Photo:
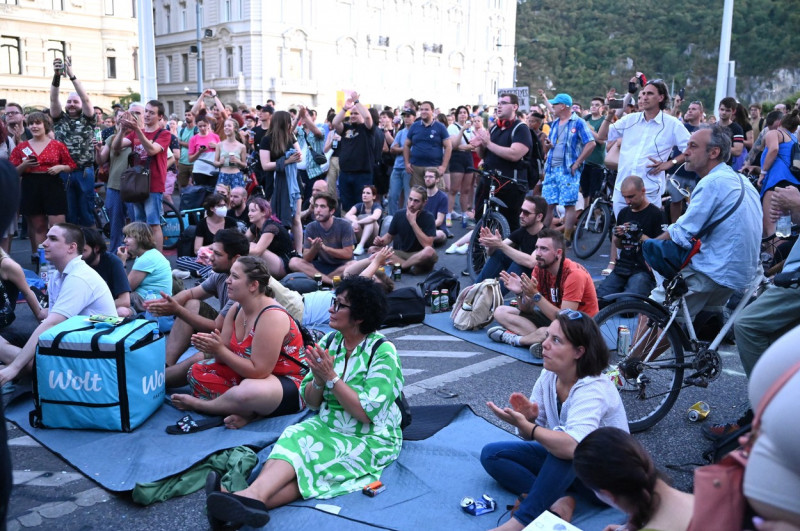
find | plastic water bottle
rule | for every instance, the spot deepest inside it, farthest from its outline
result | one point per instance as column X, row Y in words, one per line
column 783, row 229
column 45, row 272
column 149, row 296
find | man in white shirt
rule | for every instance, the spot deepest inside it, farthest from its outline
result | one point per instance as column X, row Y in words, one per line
column 76, row 289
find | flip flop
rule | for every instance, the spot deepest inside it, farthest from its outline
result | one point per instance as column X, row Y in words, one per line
column 188, row 425
column 237, row 510
column 213, row 484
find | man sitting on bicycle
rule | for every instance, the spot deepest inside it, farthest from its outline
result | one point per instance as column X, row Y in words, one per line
column 639, row 221
column 557, row 283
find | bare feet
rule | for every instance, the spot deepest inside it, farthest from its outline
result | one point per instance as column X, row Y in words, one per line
column 185, row 402
column 234, row 422
column 564, row 507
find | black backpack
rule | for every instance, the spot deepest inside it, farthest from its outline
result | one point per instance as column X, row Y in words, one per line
column 438, row 280
column 405, row 306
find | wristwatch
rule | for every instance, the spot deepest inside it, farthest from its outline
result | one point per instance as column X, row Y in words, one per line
column 330, row 383
column 674, row 162
column 315, row 385
column 536, row 298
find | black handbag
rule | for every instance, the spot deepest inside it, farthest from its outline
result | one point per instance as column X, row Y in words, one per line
column 135, row 180
column 405, row 307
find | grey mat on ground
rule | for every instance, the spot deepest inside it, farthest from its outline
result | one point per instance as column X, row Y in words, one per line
column 118, row 461
column 442, row 322
column 425, row 486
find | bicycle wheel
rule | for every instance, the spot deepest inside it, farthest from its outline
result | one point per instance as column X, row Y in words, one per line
column 648, row 389
column 171, row 225
column 592, row 230
column 101, row 216
column 476, row 254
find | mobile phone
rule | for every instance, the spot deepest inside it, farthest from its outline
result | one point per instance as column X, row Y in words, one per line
column 203, row 148
column 642, row 80
column 682, row 93
column 615, row 104
column 632, row 87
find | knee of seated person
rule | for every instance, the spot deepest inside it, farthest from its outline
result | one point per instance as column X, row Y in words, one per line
column 505, row 311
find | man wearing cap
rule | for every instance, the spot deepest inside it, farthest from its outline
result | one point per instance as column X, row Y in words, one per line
column 400, row 180
column 265, row 113
column 572, row 142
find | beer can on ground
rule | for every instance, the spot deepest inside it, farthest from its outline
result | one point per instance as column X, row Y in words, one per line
column 444, row 304
column 435, row 301
column 623, row 340
column 514, row 303
column 336, row 280
column 318, row 280
column 398, row 272
column 699, row 411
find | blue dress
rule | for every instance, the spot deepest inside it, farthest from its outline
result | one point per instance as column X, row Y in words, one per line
column 779, row 172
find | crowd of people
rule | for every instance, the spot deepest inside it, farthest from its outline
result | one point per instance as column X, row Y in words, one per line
column 336, row 199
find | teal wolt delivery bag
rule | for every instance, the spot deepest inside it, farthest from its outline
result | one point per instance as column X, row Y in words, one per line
column 95, row 375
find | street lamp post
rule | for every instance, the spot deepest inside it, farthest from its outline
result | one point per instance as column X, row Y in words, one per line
column 199, row 37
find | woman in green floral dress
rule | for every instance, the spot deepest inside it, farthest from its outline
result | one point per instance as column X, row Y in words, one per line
column 354, row 380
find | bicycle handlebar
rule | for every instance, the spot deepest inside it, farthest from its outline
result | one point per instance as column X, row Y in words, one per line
column 789, row 279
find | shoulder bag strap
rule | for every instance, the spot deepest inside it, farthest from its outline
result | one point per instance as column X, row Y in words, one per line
column 765, row 400
column 709, row 228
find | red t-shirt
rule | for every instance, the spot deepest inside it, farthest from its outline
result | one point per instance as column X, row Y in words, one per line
column 158, row 164
column 576, row 283
column 53, row 154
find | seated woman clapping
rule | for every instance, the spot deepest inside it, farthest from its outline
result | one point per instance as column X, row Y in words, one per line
column 255, row 365
column 570, row 399
column 354, row 384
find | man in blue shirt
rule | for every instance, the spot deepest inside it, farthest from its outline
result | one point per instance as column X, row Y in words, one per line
column 400, row 180
column 427, row 144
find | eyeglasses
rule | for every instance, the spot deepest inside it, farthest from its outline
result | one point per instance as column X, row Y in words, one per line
column 504, row 103
column 572, row 315
column 12, row 113
column 337, row 305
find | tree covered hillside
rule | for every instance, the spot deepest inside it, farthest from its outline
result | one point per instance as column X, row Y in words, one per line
column 585, row 46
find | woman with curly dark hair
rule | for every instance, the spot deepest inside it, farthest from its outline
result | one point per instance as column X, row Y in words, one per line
column 621, row 473
column 353, row 382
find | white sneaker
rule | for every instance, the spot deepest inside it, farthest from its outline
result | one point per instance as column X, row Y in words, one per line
column 453, row 249
column 359, row 250
column 462, row 249
column 181, row 274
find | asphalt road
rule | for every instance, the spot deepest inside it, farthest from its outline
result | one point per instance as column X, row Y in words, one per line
column 48, row 493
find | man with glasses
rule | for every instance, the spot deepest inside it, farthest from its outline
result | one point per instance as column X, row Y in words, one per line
column 557, row 283
column 573, row 142
column 504, row 149
column 15, row 123
column 686, row 179
column 649, row 137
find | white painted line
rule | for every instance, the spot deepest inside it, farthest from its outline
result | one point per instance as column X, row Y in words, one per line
column 465, row 372
column 734, row 373
column 431, row 354
column 410, row 372
column 23, row 440
column 393, row 329
column 427, row 337
column 41, row 478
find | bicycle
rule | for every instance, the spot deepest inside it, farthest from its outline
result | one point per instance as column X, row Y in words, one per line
column 101, row 219
column 595, row 222
column 649, row 370
column 492, row 219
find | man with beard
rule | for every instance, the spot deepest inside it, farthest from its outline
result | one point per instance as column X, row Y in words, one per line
column 557, row 283
column 238, row 209
column 110, row 268
column 412, row 232
column 329, row 243
column 75, row 128
column 436, row 204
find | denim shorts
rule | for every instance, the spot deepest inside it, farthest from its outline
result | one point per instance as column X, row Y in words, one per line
column 150, row 211
column 231, row 179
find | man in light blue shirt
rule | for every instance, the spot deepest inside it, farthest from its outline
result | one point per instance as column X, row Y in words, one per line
column 729, row 257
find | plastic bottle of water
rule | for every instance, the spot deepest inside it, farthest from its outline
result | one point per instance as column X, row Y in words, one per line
column 149, row 296
column 783, row 229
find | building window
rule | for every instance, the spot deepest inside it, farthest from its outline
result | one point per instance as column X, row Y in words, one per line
column 133, row 8
column 228, row 62
column 183, row 18
column 241, row 59
column 10, row 2
column 170, row 108
column 187, row 105
column 294, row 64
column 168, row 70
column 184, row 67
column 167, row 20
column 9, row 56
column 226, row 10
column 57, row 5
column 111, row 67
column 109, row 4
column 56, row 50
column 136, row 63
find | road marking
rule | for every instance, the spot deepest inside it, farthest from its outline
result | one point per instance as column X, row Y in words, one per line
column 428, row 337
column 393, row 329
column 733, row 373
column 458, row 374
column 34, row 517
column 23, row 440
column 410, row 372
column 41, row 478
column 430, row 354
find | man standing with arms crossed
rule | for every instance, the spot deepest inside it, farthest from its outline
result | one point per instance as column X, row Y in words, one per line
column 427, row 144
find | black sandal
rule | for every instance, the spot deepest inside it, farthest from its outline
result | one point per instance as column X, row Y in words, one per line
column 187, row 424
column 213, row 484
column 237, row 510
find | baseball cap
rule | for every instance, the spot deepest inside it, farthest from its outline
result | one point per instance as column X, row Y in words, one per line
column 566, row 99
column 266, row 108
column 412, row 112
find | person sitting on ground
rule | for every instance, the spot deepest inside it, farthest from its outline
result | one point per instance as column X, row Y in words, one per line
column 151, row 272
column 238, row 210
column 570, row 399
column 556, row 283
column 436, row 205
column 373, row 267
column 627, row 478
column 110, row 268
column 307, row 215
column 515, row 253
column 73, row 289
column 269, row 239
column 14, row 283
column 365, row 218
column 254, row 366
column 329, row 242
column 411, row 232
column 639, row 221
column 215, row 220
column 358, row 413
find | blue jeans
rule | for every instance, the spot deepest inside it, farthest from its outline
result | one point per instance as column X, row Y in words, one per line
column 80, row 196
column 116, row 217
column 640, row 282
column 350, row 186
column 500, row 262
column 399, row 181
column 526, row 466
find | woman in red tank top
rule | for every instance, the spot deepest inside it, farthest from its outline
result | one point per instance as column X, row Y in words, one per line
column 255, row 365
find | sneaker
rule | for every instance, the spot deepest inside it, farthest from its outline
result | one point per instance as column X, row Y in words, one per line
column 536, row 350
column 501, row 335
column 462, row 249
column 715, row 432
column 181, row 274
column 359, row 250
column 453, row 249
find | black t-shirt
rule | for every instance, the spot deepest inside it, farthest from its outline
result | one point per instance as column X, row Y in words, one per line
column 203, row 231
column 517, row 132
column 243, row 218
column 523, row 241
column 110, row 268
column 737, row 136
column 259, row 134
column 274, row 154
column 281, row 243
column 630, row 256
column 356, row 148
column 403, row 237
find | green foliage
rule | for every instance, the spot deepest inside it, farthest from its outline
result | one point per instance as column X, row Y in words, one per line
column 584, row 48
column 128, row 98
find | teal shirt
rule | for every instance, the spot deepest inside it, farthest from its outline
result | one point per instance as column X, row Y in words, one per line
column 598, row 156
column 159, row 273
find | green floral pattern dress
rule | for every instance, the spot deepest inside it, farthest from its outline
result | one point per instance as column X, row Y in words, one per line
column 333, row 453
